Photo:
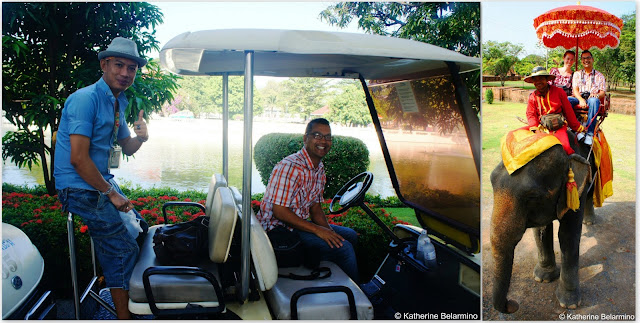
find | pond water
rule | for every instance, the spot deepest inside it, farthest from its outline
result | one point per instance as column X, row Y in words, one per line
column 183, row 154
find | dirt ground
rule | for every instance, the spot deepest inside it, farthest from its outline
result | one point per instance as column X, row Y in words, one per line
column 607, row 270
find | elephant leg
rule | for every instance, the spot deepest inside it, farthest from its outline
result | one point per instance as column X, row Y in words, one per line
column 546, row 270
column 589, row 212
column 568, row 291
column 507, row 230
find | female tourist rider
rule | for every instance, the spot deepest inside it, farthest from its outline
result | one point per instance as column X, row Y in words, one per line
column 564, row 74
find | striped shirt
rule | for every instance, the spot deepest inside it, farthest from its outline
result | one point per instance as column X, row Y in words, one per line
column 593, row 82
column 295, row 184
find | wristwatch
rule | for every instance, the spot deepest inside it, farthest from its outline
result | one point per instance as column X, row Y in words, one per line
column 141, row 139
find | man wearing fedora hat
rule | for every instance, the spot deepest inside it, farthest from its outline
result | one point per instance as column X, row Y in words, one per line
column 92, row 120
column 549, row 99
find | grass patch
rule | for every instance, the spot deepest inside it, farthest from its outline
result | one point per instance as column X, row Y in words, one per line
column 520, row 83
column 619, row 129
column 405, row 214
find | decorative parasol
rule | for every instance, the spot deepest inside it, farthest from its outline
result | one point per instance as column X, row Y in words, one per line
column 582, row 27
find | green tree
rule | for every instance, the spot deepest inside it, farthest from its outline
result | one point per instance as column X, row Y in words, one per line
column 499, row 58
column 628, row 50
column 203, row 94
column 349, row 106
column 49, row 50
column 303, row 95
column 608, row 62
column 525, row 65
column 451, row 25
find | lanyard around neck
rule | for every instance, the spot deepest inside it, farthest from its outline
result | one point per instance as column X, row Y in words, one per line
column 116, row 120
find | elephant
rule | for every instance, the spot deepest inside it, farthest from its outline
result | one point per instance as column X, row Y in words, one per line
column 533, row 197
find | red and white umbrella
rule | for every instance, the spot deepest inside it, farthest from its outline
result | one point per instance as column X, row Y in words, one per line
column 579, row 26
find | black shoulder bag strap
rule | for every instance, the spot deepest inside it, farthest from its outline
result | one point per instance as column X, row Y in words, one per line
column 315, row 274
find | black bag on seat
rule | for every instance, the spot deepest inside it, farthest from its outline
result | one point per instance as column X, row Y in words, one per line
column 289, row 250
column 286, row 246
column 182, row 244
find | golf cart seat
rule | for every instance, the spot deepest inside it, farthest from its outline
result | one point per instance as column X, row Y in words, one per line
column 173, row 290
column 318, row 299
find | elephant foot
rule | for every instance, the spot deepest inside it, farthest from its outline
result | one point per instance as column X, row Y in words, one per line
column 568, row 298
column 546, row 274
column 589, row 216
column 511, row 307
column 589, row 219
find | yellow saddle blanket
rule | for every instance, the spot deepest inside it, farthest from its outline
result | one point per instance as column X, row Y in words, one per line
column 603, row 186
column 520, row 146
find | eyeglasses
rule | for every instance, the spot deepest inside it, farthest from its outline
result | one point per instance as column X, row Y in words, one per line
column 588, row 57
column 318, row 136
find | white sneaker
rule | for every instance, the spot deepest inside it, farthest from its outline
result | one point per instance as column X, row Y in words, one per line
column 588, row 140
column 580, row 136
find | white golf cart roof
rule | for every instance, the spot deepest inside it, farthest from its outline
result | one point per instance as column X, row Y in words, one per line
column 303, row 53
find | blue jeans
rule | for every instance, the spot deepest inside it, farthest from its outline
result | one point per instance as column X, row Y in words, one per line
column 116, row 249
column 594, row 106
column 344, row 257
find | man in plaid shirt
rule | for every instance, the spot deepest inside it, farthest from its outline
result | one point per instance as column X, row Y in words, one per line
column 293, row 196
column 591, row 81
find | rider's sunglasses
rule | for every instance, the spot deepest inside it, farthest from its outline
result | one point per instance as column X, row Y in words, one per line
column 318, row 136
column 586, row 57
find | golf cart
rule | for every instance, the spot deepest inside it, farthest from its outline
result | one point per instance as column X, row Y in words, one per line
column 430, row 138
column 23, row 294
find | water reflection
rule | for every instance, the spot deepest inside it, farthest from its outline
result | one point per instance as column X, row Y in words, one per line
column 184, row 154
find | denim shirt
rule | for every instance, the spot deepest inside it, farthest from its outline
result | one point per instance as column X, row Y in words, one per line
column 88, row 112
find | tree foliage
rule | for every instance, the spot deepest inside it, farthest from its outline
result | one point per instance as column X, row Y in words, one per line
column 348, row 106
column 203, row 95
column 628, row 50
column 303, row 95
column 49, row 50
column 451, row 25
column 499, row 58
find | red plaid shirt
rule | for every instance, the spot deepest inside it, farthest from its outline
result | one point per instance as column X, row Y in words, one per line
column 295, row 184
column 593, row 82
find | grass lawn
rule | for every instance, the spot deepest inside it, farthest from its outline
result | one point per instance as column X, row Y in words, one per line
column 404, row 213
column 622, row 92
column 620, row 130
column 520, row 83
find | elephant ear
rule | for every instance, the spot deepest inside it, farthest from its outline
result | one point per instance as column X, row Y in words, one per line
column 582, row 177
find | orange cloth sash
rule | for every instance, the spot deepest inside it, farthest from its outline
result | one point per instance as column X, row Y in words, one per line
column 520, row 146
column 603, row 186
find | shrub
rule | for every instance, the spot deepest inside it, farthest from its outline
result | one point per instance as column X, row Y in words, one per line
column 348, row 157
column 489, row 96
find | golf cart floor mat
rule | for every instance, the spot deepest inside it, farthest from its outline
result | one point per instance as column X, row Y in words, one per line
column 103, row 314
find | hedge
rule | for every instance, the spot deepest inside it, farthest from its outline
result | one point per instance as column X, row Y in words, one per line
column 347, row 158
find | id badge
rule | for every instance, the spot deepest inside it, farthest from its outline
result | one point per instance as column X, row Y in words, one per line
column 115, row 154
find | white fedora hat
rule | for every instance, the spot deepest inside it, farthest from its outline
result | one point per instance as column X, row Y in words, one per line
column 123, row 47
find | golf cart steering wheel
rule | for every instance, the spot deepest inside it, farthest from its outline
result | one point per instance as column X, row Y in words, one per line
column 352, row 193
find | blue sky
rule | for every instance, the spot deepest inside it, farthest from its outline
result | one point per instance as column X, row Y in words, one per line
column 181, row 17
column 512, row 21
